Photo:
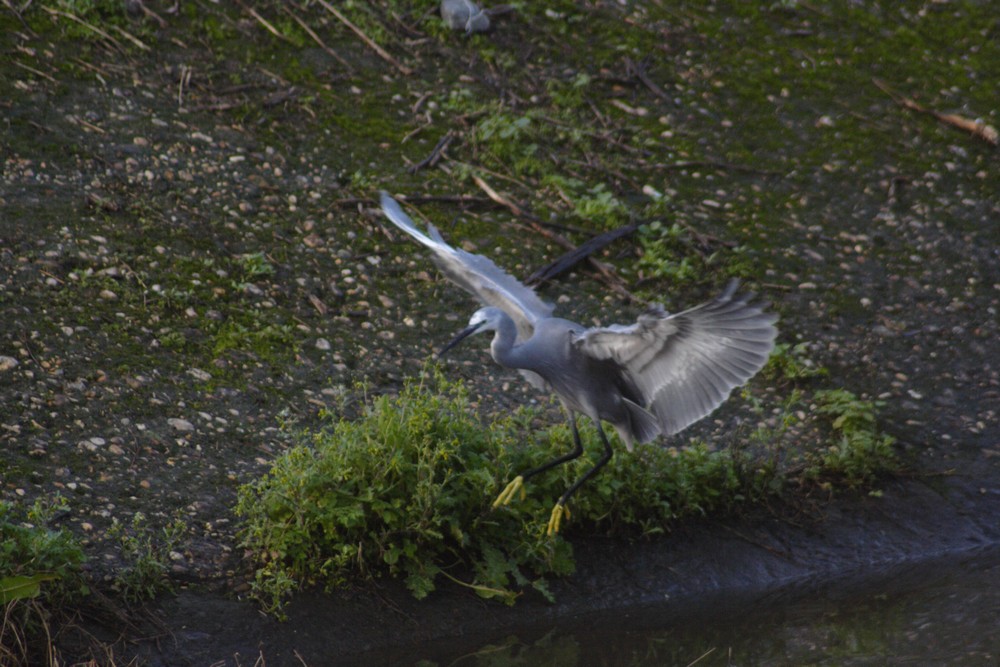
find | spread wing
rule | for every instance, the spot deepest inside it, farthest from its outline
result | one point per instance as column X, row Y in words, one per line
column 476, row 274
column 686, row 365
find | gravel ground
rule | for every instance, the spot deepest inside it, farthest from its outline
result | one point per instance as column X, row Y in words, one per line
column 190, row 263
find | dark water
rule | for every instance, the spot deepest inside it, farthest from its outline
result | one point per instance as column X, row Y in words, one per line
column 934, row 613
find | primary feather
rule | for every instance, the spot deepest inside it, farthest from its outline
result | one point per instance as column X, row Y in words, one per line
column 476, row 274
column 686, row 365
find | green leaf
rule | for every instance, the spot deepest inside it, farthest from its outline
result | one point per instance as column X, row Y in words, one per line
column 21, row 587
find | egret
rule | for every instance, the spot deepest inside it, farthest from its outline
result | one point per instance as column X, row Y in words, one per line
column 654, row 377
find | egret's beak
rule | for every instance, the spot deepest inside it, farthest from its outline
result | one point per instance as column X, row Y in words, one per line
column 462, row 335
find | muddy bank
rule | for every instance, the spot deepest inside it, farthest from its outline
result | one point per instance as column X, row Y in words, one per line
column 700, row 571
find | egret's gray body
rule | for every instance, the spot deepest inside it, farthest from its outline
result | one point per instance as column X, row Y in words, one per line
column 657, row 376
column 595, row 387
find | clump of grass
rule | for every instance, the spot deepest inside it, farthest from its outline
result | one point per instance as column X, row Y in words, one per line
column 860, row 452
column 825, row 436
column 791, row 362
column 40, row 571
column 146, row 554
column 406, row 489
column 35, row 559
column 670, row 253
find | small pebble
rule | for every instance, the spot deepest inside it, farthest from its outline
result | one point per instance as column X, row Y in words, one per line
column 198, row 374
column 180, row 424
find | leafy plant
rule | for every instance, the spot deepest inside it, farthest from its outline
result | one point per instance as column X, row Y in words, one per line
column 146, row 554
column 406, row 490
column 790, row 362
column 267, row 340
column 861, row 452
column 32, row 554
column 254, row 265
column 667, row 253
column 40, row 572
column 510, row 140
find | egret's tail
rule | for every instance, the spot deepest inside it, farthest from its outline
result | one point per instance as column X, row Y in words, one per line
column 642, row 425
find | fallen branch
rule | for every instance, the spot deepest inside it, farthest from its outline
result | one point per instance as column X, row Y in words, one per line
column 365, row 38
column 435, row 154
column 264, row 22
column 35, row 71
column 607, row 275
column 640, row 73
column 976, row 128
column 583, row 251
column 130, row 37
column 93, row 28
column 309, row 31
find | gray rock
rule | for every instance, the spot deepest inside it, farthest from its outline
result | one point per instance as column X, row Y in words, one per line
column 464, row 15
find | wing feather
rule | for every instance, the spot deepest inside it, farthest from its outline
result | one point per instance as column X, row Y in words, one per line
column 476, row 274
column 686, row 365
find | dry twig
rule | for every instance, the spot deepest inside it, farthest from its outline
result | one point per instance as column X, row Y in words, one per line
column 264, row 22
column 309, row 31
column 640, row 73
column 435, row 154
column 570, row 259
column 366, row 39
column 607, row 275
column 93, row 28
column 976, row 128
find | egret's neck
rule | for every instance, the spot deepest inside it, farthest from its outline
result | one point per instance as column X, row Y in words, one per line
column 502, row 347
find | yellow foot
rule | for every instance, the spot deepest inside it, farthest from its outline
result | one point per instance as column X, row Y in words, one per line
column 507, row 495
column 558, row 512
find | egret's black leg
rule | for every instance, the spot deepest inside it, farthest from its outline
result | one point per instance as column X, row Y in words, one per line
column 601, row 462
column 560, row 507
column 517, row 484
column 569, row 456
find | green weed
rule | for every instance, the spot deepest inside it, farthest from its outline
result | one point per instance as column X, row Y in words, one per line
column 406, row 489
column 40, row 572
column 31, row 554
column 860, row 452
column 791, row 362
column 146, row 554
column 668, row 254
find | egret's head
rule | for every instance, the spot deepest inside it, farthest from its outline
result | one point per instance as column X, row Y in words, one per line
column 484, row 319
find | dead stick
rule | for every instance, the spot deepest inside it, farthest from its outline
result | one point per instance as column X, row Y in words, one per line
column 640, row 72
column 365, row 38
column 264, row 22
column 570, row 259
column 56, row 12
column 435, row 154
column 607, row 275
column 305, row 26
column 976, row 128
column 130, row 37
column 35, row 71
